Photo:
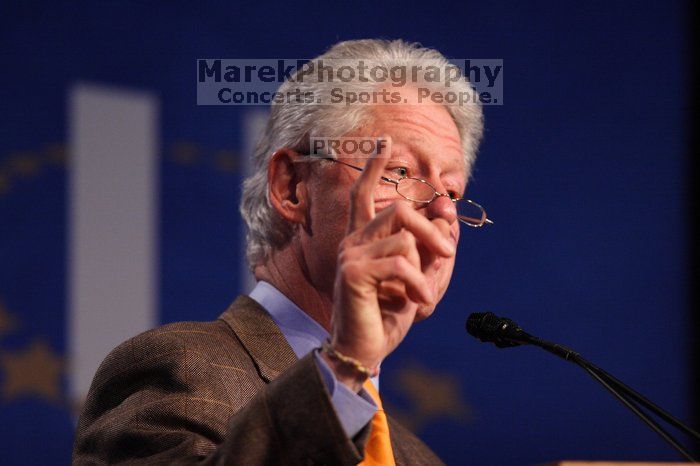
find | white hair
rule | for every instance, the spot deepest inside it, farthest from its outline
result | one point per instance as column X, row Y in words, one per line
column 291, row 124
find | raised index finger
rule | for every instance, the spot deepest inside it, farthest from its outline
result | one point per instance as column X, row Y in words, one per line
column 362, row 191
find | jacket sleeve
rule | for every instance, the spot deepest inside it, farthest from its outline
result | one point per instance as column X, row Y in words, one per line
column 158, row 400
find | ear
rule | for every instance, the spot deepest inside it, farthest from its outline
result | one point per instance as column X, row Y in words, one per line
column 287, row 185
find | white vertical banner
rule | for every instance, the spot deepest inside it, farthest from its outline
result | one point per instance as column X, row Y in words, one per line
column 113, row 219
column 254, row 122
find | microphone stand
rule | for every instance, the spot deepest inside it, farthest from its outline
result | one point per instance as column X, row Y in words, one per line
column 647, row 420
column 626, row 395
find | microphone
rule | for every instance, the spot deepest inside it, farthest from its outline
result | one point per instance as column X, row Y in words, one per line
column 489, row 328
column 504, row 333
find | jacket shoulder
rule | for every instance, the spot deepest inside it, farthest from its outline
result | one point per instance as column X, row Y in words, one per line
column 164, row 347
column 203, row 362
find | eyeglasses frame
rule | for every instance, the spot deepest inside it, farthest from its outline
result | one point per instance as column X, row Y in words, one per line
column 484, row 218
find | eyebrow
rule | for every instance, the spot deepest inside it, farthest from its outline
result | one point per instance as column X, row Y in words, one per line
column 453, row 166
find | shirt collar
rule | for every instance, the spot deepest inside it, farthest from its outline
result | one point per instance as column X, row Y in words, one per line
column 301, row 331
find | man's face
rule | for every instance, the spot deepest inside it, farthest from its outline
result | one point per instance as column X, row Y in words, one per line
column 425, row 144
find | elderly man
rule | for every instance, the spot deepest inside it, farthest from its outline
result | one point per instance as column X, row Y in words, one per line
column 348, row 251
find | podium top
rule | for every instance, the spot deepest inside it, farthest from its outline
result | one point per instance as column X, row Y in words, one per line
column 609, row 463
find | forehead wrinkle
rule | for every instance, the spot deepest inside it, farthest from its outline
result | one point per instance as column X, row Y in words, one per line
column 422, row 128
column 429, row 151
column 421, row 142
column 433, row 126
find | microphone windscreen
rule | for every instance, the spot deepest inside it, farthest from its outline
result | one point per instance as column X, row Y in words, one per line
column 482, row 325
column 489, row 328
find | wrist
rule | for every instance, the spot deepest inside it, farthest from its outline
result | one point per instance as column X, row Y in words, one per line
column 348, row 377
column 348, row 348
column 348, row 370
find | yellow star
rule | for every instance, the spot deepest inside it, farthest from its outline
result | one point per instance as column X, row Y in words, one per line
column 225, row 160
column 8, row 322
column 4, row 183
column 24, row 163
column 185, row 153
column 430, row 396
column 34, row 371
column 55, row 153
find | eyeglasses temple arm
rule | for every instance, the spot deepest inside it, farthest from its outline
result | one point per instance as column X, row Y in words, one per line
column 357, row 168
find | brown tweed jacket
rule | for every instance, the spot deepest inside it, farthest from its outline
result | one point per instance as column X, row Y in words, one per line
column 230, row 391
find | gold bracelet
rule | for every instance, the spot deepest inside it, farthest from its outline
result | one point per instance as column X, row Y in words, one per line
column 354, row 363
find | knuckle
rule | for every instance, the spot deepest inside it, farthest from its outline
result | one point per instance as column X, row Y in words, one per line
column 401, row 209
column 400, row 264
column 348, row 270
column 349, row 252
column 343, row 256
column 347, row 243
column 407, row 238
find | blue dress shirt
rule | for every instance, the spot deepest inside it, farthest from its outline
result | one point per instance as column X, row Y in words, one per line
column 304, row 335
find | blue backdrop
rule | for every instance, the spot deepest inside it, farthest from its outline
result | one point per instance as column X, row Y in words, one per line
column 582, row 168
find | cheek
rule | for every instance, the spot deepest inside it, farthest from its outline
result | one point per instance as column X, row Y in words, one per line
column 332, row 219
column 328, row 221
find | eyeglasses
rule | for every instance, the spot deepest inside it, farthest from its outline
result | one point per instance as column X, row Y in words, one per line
column 421, row 191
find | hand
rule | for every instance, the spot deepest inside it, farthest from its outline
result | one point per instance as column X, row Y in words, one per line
column 379, row 282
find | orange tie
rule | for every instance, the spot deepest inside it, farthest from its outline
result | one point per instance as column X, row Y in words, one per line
column 378, row 449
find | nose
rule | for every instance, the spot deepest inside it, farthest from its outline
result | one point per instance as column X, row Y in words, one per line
column 442, row 207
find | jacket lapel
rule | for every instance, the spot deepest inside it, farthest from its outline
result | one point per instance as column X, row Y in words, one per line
column 272, row 355
column 260, row 336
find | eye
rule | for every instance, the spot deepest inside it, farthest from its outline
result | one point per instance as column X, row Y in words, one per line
column 454, row 195
column 401, row 172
